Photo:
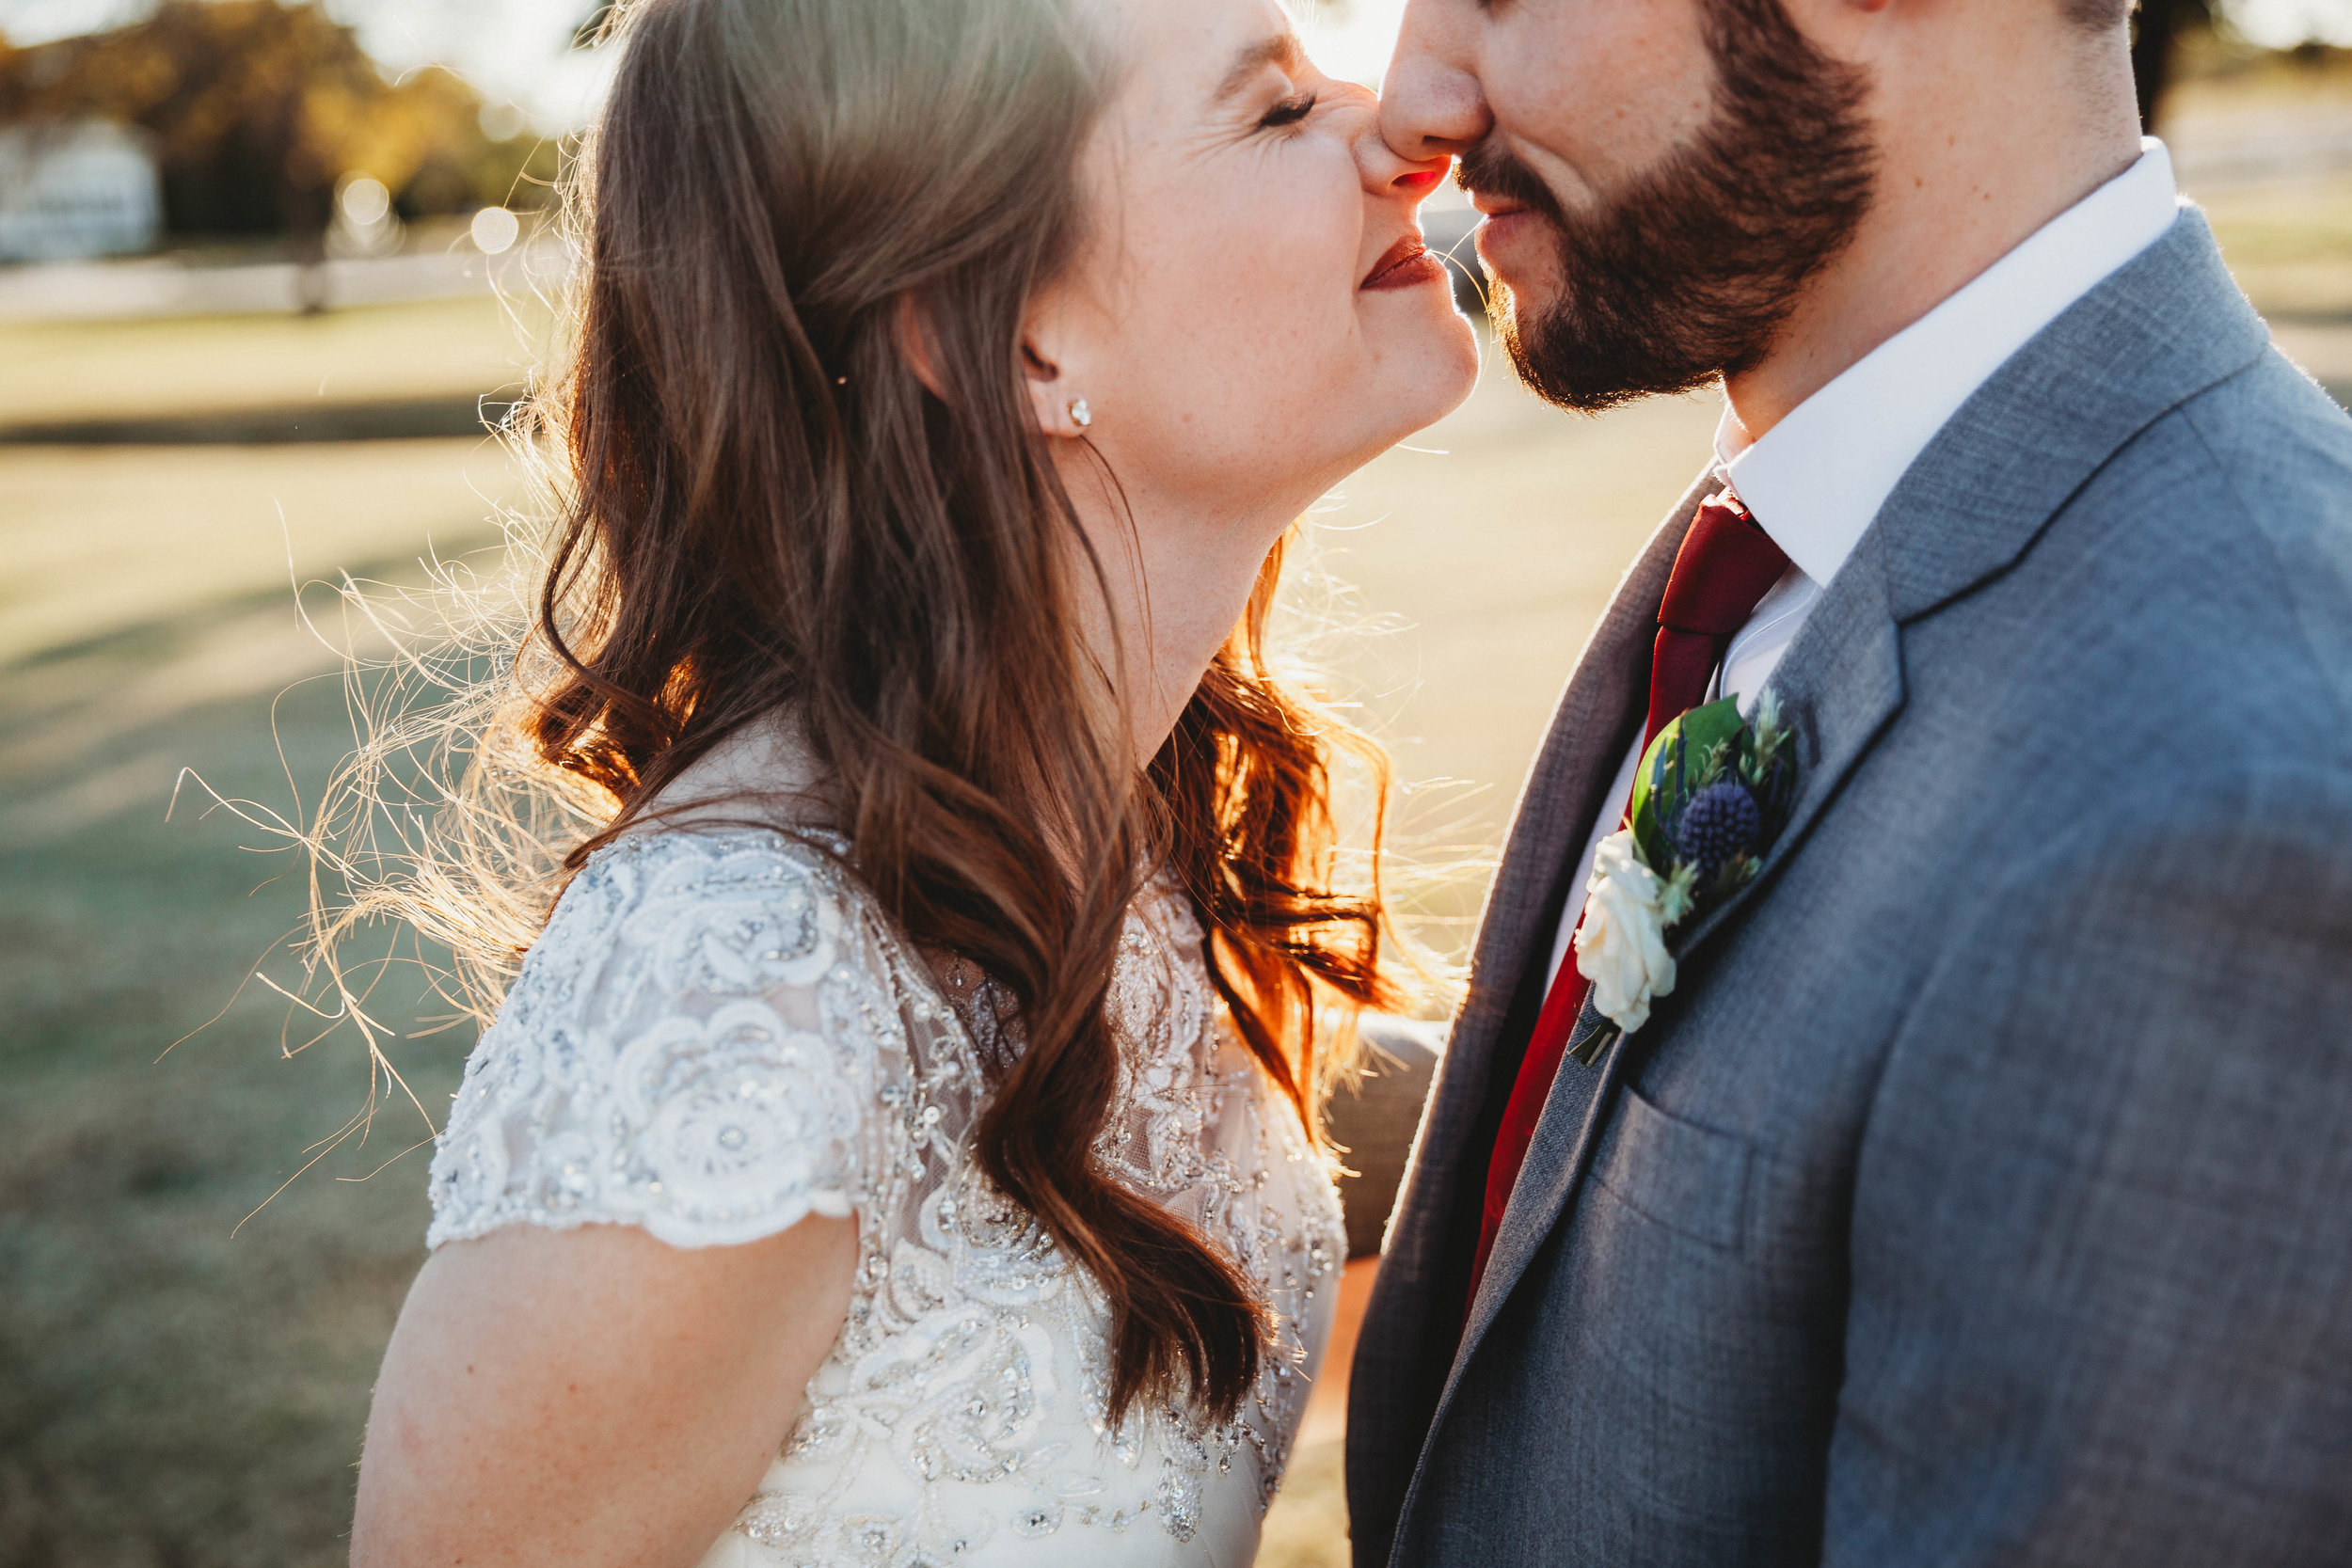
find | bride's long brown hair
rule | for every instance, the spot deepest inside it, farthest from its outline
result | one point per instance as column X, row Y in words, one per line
column 766, row 513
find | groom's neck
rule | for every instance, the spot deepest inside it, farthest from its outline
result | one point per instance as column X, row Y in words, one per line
column 1981, row 140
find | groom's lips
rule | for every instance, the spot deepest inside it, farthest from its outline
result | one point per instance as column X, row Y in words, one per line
column 1497, row 209
column 1406, row 264
column 1504, row 219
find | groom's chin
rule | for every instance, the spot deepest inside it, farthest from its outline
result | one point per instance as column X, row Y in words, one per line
column 1544, row 352
column 1588, row 361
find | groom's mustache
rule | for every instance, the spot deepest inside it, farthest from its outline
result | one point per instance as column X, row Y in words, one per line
column 1487, row 169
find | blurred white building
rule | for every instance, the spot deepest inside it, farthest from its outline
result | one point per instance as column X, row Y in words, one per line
column 69, row 192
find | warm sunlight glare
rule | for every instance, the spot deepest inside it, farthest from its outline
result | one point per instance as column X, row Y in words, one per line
column 1353, row 39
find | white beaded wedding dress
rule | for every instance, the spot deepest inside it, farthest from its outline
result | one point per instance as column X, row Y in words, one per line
column 719, row 1034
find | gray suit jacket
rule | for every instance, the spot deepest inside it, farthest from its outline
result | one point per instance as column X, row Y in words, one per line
column 1984, row 1193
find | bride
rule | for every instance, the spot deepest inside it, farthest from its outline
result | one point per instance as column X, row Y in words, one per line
column 899, row 1144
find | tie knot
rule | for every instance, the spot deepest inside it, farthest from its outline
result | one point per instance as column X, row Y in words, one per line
column 1726, row 565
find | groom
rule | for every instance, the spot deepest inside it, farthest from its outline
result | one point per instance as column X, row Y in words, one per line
column 1982, row 1192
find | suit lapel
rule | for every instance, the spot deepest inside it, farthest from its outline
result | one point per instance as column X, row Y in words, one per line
column 1579, row 761
column 1413, row 1318
column 1555, row 809
column 1839, row 686
column 2168, row 326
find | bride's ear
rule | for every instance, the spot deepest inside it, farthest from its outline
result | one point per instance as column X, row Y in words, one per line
column 916, row 345
column 1059, row 405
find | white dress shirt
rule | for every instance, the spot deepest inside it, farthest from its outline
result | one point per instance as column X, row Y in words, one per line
column 1815, row 481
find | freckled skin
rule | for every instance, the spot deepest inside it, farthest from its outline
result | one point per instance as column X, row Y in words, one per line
column 1234, row 368
column 617, row 1400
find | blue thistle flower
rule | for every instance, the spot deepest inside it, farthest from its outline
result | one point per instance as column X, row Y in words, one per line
column 1718, row 826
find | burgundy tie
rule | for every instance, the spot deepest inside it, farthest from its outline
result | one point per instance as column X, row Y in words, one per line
column 1725, row 568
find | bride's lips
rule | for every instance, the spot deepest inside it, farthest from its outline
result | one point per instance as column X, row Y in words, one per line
column 1404, row 265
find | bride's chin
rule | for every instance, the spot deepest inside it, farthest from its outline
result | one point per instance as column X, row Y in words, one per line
column 1434, row 373
column 1467, row 363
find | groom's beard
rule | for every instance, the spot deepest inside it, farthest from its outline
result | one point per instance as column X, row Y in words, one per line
column 1689, row 272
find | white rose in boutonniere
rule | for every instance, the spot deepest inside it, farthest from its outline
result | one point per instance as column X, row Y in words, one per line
column 1710, row 796
column 1621, row 946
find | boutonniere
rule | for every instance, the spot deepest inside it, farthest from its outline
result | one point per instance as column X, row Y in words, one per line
column 1710, row 796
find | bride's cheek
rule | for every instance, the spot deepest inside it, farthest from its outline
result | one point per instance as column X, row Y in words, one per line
column 1321, row 250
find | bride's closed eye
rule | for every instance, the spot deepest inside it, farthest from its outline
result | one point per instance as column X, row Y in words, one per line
column 1289, row 111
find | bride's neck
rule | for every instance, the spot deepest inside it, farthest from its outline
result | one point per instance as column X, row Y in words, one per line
column 1177, row 577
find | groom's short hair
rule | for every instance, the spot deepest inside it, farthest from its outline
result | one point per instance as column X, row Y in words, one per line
column 2097, row 16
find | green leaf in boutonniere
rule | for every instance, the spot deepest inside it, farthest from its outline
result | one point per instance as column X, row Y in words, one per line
column 1716, row 792
column 1710, row 796
column 1689, row 755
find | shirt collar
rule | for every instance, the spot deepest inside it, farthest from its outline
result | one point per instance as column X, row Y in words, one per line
column 1815, row 481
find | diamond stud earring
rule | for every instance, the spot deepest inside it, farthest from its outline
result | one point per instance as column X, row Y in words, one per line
column 1080, row 414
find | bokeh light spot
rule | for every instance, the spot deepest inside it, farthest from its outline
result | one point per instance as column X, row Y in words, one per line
column 495, row 230
column 365, row 201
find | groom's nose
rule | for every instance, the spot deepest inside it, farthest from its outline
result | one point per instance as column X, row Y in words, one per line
column 1431, row 103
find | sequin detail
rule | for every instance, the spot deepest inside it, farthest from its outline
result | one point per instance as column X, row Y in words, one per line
column 719, row 1034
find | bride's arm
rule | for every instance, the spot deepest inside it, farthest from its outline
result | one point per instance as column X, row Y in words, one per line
column 591, row 1396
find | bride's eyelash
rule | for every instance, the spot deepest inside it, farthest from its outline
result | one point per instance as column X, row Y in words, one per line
column 1289, row 112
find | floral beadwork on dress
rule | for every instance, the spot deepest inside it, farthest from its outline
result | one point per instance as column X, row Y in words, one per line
column 719, row 1034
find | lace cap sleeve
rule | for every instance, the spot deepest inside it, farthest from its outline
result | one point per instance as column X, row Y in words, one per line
column 691, row 1047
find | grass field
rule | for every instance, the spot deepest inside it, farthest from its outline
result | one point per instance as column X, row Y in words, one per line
column 182, row 1390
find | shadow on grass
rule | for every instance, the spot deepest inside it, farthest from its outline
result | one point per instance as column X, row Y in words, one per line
column 182, row 1390
column 275, row 424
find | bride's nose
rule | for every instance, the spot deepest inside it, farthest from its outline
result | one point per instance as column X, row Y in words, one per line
column 1387, row 174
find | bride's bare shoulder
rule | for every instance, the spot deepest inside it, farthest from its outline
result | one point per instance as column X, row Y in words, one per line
column 767, row 773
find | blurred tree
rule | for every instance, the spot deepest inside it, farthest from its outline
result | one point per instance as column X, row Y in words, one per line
column 258, row 107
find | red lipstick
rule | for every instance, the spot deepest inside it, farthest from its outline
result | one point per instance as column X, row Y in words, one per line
column 1404, row 265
